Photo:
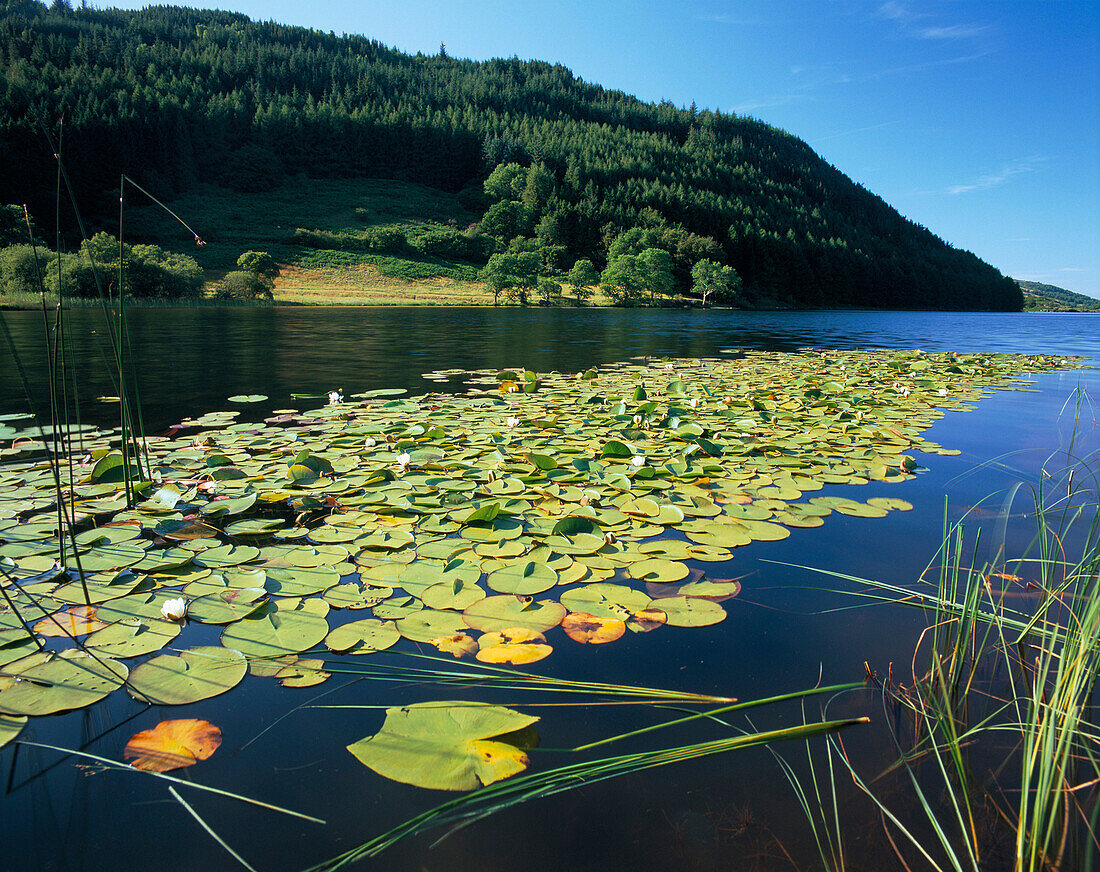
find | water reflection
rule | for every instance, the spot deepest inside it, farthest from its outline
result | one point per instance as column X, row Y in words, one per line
column 190, row 360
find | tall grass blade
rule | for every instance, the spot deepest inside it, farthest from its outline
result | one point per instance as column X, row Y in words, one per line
column 209, row 830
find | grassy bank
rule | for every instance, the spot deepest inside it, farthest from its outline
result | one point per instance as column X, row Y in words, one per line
column 333, row 212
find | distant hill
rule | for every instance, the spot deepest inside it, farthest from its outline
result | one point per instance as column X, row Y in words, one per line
column 177, row 97
column 1038, row 296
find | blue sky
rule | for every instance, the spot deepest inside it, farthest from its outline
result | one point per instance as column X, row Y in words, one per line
column 979, row 120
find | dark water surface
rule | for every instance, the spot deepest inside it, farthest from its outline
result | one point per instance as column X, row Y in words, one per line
column 783, row 633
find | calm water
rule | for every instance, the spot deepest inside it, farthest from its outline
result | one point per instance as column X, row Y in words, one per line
column 728, row 812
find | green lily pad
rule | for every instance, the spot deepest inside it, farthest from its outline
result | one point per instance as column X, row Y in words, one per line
column 428, row 624
column 98, row 590
column 10, row 727
column 496, row 613
column 580, row 543
column 353, row 595
column 763, row 531
column 190, row 676
column 712, row 590
column 272, row 631
column 658, row 570
column 254, row 527
column 457, row 594
column 67, row 681
column 606, row 600
column 497, row 530
column 524, row 577
column 719, row 535
column 890, row 503
column 397, row 607
column 226, row 605
column 135, row 605
column 302, row 581
column 363, row 637
column 853, row 508
column 109, row 556
column 161, row 559
column 227, row 555
column 132, row 637
column 684, row 611
column 445, row 745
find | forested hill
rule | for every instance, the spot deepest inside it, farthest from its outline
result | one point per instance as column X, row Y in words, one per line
column 175, row 97
column 1053, row 298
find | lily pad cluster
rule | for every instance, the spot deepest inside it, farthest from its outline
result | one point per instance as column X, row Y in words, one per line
column 475, row 522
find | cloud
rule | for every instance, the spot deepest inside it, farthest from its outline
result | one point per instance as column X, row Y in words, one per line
column 916, row 24
column 1071, row 269
column 840, row 133
column 924, row 65
column 726, row 18
column 993, row 180
column 895, row 12
column 953, row 31
column 769, row 102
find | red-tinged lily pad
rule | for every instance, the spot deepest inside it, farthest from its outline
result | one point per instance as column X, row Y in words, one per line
column 460, row 645
column 173, row 745
column 77, row 621
column 592, row 629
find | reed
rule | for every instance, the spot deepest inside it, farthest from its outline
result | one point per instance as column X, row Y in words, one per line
column 995, row 673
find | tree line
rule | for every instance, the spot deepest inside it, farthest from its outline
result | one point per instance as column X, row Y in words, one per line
column 178, row 97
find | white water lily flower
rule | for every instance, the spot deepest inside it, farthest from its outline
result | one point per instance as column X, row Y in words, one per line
column 404, row 459
column 638, row 460
column 335, row 397
column 512, row 421
column 369, row 442
column 694, row 402
column 637, row 420
column 668, row 366
column 943, row 392
column 174, row 609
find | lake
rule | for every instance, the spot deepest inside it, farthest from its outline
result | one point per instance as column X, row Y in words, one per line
column 787, row 630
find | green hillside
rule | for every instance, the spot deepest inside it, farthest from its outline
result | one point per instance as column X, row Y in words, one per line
column 177, row 98
column 1051, row 298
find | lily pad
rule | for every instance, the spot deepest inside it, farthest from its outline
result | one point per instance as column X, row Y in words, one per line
column 525, row 578
column 363, row 637
column 132, row 637
column 592, row 629
column 10, row 727
column 684, row 611
column 172, row 745
column 190, row 676
column 428, row 624
column 69, row 680
column 496, row 613
column 606, row 600
column 273, row 630
column 445, row 745
column 227, row 605
column 515, row 645
column 457, row 594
